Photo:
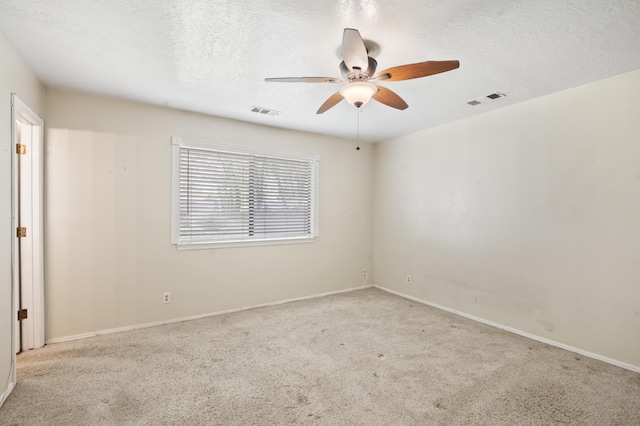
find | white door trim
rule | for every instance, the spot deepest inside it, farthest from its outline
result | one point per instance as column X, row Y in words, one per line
column 32, row 253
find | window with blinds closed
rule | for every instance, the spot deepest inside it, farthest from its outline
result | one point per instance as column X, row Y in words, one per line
column 240, row 195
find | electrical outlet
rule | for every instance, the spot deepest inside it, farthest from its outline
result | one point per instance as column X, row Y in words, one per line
column 408, row 279
column 166, row 297
column 364, row 271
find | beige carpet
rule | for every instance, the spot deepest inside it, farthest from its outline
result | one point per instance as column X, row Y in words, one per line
column 359, row 358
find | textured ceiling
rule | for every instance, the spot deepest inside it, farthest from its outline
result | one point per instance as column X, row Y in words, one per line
column 211, row 56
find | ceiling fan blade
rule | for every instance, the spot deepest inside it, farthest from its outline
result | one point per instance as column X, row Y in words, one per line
column 389, row 98
column 303, row 80
column 354, row 51
column 421, row 69
column 330, row 103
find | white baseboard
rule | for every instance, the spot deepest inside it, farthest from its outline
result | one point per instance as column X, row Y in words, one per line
column 516, row 331
column 194, row 317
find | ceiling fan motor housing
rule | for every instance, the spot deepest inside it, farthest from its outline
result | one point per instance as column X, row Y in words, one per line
column 358, row 74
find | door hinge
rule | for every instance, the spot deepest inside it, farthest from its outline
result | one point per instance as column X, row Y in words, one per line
column 21, row 148
column 21, row 232
column 22, row 314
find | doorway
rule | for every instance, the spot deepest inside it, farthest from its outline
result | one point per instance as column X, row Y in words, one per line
column 28, row 247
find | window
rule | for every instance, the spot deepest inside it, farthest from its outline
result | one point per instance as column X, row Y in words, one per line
column 232, row 195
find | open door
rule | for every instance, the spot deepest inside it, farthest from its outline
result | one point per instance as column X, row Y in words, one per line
column 28, row 273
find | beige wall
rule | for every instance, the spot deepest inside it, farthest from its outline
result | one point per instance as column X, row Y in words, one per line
column 15, row 77
column 528, row 216
column 107, row 227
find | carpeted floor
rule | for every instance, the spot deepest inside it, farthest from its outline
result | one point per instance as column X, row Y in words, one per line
column 360, row 358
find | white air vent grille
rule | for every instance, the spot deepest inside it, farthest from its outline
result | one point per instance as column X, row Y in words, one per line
column 264, row 111
column 486, row 99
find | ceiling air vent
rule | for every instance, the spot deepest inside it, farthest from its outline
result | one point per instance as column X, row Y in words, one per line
column 264, row 111
column 488, row 98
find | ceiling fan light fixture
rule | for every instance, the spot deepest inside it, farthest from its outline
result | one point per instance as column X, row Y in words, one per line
column 358, row 93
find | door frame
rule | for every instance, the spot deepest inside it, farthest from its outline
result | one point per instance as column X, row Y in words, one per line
column 33, row 256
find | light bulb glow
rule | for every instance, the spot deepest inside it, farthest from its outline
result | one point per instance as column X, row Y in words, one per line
column 358, row 93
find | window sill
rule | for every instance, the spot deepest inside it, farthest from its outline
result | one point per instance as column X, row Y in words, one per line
column 245, row 243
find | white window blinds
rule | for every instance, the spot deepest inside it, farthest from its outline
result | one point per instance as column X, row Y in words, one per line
column 236, row 194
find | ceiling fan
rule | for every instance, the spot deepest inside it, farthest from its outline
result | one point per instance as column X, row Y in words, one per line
column 358, row 70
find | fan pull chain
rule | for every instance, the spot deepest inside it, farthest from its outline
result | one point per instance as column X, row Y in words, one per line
column 358, row 130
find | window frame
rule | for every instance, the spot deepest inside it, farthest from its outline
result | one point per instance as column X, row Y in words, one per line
column 181, row 142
